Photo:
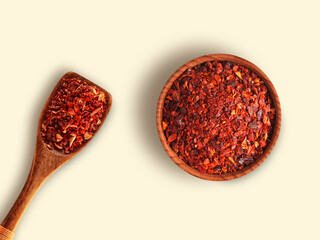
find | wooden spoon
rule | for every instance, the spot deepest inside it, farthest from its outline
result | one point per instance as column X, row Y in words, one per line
column 45, row 163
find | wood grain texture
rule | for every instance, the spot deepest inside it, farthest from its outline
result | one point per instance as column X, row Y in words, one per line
column 5, row 234
column 276, row 127
column 45, row 161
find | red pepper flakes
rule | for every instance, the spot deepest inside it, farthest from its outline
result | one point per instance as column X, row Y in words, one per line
column 73, row 115
column 218, row 117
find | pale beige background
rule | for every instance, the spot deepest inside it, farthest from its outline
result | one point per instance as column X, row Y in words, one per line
column 123, row 185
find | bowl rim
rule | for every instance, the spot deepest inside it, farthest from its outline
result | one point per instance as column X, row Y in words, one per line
column 276, row 130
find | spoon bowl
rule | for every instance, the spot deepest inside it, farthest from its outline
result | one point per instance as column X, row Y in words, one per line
column 45, row 162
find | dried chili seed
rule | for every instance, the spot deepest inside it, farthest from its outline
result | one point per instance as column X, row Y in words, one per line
column 73, row 115
column 59, row 138
column 172, row 137
column 218, row 117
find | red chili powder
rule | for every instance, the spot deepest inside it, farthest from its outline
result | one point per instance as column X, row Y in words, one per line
column 218, row 117
column 73, row 115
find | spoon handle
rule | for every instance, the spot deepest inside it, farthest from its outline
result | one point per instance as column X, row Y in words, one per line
column 5, row 234
column 10, row 223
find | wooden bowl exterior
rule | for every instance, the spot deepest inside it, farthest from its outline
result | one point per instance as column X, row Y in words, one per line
column 276, row 127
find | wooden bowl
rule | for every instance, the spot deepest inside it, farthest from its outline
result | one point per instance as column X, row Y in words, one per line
column 276, row 126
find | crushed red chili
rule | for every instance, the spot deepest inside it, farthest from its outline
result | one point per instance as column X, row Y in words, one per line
column 73, row 115
column 218, row 117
